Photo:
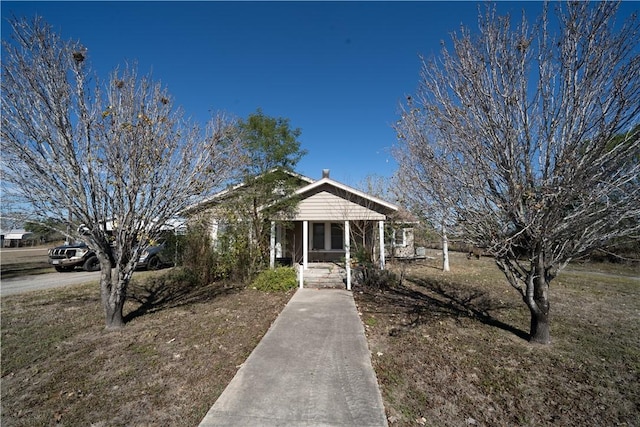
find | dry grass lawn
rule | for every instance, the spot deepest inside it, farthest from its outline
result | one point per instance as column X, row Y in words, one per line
column 450, row 349
column 167, row 367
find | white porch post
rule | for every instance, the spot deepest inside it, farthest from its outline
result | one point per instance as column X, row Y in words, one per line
column 300, row 276
column 214, row 230
column 347, row 253
column 381, row 234
column 272, row 246
column 305, row 245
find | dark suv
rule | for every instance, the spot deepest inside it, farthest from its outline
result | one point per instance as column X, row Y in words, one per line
column 155, row 257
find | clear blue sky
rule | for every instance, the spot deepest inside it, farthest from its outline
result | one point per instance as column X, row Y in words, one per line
column 337, row 70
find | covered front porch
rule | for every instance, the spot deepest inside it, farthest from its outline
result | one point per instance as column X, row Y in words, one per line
column 329, row 217
column 302, row 243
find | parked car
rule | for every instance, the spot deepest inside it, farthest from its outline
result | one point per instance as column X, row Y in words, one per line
column 68, row 257
column 155, row 257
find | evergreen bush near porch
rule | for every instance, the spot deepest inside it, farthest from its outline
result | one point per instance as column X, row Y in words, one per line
column 280, row 279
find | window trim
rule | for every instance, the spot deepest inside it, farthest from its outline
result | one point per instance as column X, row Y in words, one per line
column 327, row 236
column 404, row 237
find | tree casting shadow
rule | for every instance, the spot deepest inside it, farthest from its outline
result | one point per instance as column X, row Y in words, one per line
column 447, row 300
column 168, row 291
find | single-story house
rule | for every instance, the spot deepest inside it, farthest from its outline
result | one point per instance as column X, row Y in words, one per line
column 332, row 222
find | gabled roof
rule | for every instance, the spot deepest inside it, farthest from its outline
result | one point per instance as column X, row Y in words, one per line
column 349, row 190
column 310, row 191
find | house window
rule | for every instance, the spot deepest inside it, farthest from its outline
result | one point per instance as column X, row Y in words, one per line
column 318, row 236
column 400, row 237
column 222, row 236
column 327, row 236
column 337, row 236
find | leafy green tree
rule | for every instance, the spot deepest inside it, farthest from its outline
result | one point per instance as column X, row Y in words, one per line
column 269, row 143
column 272, row 150
column 46, row 230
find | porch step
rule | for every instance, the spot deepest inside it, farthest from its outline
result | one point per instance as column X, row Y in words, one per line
column 324, row 275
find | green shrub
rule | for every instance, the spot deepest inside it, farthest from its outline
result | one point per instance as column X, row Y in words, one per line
column 373, row 277
column 198, row 256
column 280, row 279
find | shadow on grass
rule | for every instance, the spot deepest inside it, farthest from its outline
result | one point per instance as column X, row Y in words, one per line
column 8, row 271
column 171, row 290
column 432, row 297
column 400, row 264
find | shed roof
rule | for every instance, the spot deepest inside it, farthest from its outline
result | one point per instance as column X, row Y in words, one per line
column 17, row 235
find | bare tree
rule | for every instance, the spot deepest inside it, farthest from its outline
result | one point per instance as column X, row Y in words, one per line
column 364, row 232
column 410, row 182
column 529, row 137
column 116, row 161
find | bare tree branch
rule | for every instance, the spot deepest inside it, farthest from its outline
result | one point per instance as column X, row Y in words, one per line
column 528, row 139
column 115, row 160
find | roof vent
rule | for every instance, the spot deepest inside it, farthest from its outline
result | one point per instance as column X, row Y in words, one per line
column 325, row 173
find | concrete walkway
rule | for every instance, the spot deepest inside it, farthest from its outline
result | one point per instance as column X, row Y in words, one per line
column 312, row 368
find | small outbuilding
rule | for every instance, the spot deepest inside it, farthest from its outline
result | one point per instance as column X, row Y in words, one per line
column 16, row 238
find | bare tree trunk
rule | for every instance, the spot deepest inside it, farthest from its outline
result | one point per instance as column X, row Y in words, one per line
column 540, row 332
column 445, row 250
column 113, row 295
column 537, row 299
column 113, row 308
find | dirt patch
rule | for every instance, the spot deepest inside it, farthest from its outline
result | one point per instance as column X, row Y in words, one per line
column 166, row 367
column 451, row 349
